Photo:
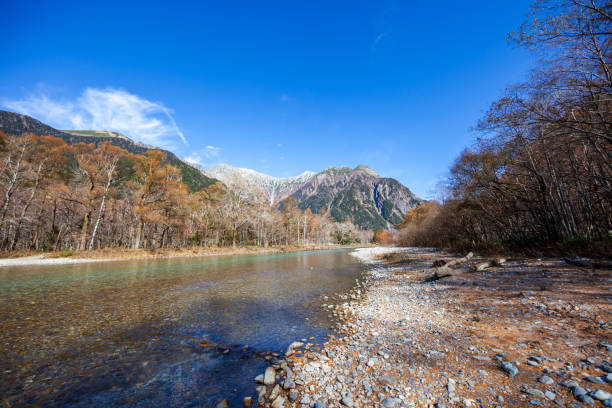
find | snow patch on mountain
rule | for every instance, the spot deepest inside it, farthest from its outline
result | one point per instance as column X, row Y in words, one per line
column 270, row 188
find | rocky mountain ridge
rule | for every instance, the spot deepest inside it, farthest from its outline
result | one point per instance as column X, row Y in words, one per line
column 357, row 194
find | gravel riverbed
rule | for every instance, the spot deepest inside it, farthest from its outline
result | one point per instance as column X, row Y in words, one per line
column 530, row 333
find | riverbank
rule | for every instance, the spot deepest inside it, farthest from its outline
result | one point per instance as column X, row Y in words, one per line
column 531, row 332
column 121, row 254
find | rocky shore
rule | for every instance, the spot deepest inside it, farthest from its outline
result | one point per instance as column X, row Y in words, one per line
column 529, row 333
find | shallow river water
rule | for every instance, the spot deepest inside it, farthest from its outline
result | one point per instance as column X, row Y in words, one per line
column 158, row 333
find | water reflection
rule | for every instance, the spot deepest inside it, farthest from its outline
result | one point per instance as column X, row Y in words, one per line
column 142, row 333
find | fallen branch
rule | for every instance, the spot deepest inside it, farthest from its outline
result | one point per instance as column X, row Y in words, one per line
column 489, row 264
column 454, row 261
column 588, row 263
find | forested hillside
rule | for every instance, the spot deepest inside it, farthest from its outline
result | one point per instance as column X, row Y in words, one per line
column 19, row 125
column 541, row 170
column 88, row 196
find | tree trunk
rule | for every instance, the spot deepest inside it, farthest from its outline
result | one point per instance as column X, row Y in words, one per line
column 138, row 234
column 84, row 230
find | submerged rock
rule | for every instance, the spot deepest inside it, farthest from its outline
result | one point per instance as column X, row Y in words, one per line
column 224, row 403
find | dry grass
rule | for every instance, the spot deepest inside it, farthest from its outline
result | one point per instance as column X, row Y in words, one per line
column 124, row 253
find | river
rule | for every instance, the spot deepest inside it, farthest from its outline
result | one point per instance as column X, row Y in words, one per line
column 159, row 333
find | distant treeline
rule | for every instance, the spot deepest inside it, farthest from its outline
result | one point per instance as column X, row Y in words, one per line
column 85, row 196
column 540, row 172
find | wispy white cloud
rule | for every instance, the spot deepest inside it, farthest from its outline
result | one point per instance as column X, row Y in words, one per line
column 105, row 109
column 279, row 145
column 377, row 40
column 211, row 151
column 205, row 157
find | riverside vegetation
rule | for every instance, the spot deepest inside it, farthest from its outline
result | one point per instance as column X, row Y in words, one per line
column 540, row 173
column 85, row 196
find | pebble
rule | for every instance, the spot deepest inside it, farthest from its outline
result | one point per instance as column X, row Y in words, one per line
column 246, row 402
column 388, row 380
column 319, row 404
column 509, row 368
column 606, row 368
column 550, row 395
column 269, row 376
column 278, row 402
column 578, row 391
column 569, row 384
column 390, row 402
column 546, row 380
column 532, row 391
column 288, row 383
column 293, row 396
column 347, row 402
column 259, row 379
column 595, row 380
column 585, row 399
column 601, row 395
column 275, row 392
column 534, row 361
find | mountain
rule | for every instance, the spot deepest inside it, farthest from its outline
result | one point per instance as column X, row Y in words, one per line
column 358, row 195
column 18, row 125
column 269, row 188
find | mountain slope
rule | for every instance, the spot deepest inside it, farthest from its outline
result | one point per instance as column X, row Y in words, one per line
column 358, row 195
column 16, row 124
column 269, row 188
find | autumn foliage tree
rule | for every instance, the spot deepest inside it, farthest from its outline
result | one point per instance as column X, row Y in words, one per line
column 541, row 171
column 82, row 197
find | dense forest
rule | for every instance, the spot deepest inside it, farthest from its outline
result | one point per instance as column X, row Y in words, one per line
column 540, row 171
column 85, row 196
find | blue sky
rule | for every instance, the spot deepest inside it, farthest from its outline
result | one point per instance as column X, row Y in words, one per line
column 279, row 87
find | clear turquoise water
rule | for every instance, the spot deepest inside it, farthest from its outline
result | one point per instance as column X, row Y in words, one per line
column 154, row 332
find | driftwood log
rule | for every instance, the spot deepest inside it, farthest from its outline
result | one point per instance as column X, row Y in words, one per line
column 447, row 270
